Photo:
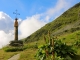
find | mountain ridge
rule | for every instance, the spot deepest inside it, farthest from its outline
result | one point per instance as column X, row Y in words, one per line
column 67, row 22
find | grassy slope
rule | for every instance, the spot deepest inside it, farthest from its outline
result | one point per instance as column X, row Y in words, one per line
column 30, row 52
column 70, row 39
column 69, row 19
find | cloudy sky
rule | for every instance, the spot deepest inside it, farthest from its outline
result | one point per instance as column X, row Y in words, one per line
column 33, row 15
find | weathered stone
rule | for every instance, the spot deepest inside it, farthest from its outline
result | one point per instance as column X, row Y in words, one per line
column 16, row 29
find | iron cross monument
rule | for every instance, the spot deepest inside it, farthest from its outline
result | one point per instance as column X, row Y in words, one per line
column 16, row 26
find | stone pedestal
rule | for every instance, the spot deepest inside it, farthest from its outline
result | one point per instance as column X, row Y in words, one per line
column 16, row 43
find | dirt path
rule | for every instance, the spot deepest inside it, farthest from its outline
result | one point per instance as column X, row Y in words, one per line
column 15, row 57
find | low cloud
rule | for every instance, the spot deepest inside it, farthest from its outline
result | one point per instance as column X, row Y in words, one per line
column 5, row 38
column 30, row 25
column 60, row 7
column 6, row 29
column 6, row 23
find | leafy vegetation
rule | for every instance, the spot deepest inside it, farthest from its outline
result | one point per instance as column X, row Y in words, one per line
column 54, row 47
column 63, row 50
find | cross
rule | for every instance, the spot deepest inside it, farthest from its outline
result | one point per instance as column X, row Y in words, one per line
column 16, row 13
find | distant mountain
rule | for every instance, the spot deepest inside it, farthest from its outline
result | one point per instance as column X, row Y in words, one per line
column 68, row 22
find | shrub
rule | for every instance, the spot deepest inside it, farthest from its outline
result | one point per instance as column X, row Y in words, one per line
column 52, row 46
column 13, row 49
column 63, row 50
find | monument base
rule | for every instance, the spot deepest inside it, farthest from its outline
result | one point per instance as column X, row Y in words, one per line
column 16, row 43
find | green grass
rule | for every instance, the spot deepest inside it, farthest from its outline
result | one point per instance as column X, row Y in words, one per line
column 70, row 38
column 28, row 54
column 6, row 55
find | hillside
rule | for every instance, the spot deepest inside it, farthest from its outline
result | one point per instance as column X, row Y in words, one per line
column 68, row 22
column 30, row 52
column 66, row 27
